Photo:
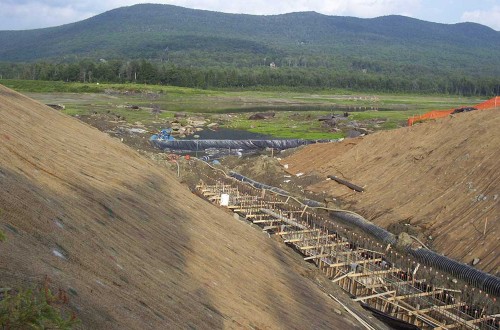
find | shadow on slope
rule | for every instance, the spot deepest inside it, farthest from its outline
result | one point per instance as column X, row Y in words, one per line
column 131, row 246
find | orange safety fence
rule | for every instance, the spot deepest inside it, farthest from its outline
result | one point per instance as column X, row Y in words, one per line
column 487, row 105
column 490, row 104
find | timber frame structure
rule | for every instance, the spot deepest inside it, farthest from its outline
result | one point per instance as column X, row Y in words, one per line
column 374, row 274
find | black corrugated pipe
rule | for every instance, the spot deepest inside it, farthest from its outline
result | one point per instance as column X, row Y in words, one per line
column 484, row 281
column 367, row 226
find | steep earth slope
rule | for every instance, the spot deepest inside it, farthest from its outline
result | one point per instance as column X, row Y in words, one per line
column 439, row 179
column 132, row 246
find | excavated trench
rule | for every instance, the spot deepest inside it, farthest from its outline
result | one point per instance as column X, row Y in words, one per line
column 441, row 279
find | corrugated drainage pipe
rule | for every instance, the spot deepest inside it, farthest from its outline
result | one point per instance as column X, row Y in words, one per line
column 484, row 281
column 367, row 226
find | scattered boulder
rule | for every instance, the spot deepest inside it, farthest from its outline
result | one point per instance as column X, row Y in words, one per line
column 363, row 130
column 197, row 121
column 353, row 133
column 463, row 109
column 332, row 122
column 262, row 115
column 180, row 115
column 475, row 261
column 327, row 117
column 57, row 106
column 137, row 130
column 334, row 116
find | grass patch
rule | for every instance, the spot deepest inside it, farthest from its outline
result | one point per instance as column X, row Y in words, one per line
column 34, row 309
column 40, row 86
column 292, row 106
column 285, row 125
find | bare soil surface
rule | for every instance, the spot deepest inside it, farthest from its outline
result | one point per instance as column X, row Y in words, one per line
column 132, row 246
column 437, row 180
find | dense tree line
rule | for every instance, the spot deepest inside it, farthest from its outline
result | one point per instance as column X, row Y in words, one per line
column 358, row 76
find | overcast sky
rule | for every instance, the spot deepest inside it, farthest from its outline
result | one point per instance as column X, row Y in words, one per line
column 32, row 14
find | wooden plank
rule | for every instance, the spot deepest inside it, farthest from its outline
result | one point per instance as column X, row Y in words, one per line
column 436, row 308
column 409, row 308
column 295, row 240
column 273, row 227
column 298, row 232
column 421, row 294
column 338, row 278
column 342, row 253
column 374, row 295
column 377, row 272
column 358, row 262
column 266, row 221
column 379, row 285
column 324, row 237
column 260, row 216
column 285, row 219
column 469, row 323
column 246, row 209
column 311, row 247
column 317, row 256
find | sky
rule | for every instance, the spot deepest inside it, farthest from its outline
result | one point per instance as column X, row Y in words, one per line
column 32, row 14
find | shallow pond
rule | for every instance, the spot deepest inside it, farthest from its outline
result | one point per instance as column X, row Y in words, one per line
column 228, row 134
column 273, row 108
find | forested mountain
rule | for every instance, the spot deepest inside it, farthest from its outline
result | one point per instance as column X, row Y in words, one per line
column 392, row 46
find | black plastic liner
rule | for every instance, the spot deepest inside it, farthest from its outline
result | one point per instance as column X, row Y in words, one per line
column 367, row 226
column 394, row 322
column 258, row 185
column 200, row 145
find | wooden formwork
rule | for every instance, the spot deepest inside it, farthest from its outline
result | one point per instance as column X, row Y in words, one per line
column 364, row 273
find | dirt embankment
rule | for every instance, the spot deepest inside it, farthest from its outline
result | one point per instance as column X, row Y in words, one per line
column 132, row 247
column 439, row 180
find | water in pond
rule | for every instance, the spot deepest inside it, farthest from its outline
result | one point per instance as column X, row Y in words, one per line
column 319, row 107
column 228, row 134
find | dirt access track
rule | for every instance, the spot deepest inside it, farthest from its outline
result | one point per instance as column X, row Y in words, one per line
column 438, row 180
column 131, row 246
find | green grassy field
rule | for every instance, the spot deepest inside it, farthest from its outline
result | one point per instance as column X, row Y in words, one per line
column 296, row 111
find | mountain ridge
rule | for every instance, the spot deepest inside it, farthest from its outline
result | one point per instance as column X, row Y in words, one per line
column 195, row 48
